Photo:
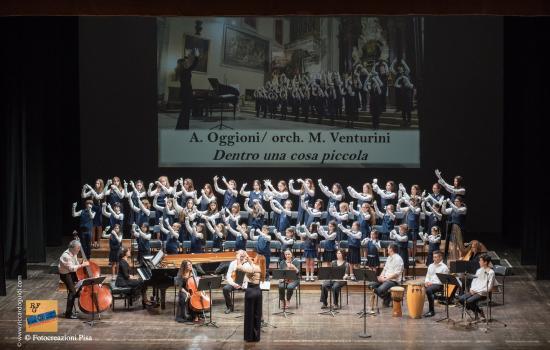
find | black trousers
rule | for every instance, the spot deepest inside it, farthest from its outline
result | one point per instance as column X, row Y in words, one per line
column 252, row 312
column 68, row 279
column 334, row 287
column 227, row 289
column 430, row 291
column 185, row 113
column 85, row 237
column 471, row 301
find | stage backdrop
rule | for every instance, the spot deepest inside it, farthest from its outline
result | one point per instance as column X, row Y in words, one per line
column 460, row 99
column 321, row 72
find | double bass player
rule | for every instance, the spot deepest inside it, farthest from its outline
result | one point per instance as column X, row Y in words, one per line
column 68, row 265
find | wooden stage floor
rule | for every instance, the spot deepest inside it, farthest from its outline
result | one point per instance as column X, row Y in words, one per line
column 526, row 312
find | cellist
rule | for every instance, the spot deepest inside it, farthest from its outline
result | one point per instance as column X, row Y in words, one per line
column 68, row 264
column 185, row 313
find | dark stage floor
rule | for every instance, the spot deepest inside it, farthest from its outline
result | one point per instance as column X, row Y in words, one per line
column 526, row 311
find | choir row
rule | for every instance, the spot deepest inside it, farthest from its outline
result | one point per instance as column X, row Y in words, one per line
column 327, row 94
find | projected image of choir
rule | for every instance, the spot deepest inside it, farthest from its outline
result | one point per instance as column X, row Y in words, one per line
column 334, row 96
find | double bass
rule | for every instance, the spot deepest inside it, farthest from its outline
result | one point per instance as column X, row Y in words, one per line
column 198, row 301
column 100, row 299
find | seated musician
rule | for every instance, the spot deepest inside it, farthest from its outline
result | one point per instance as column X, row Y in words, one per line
column 68, row 264
column 289, row 263
column 230, row 279
column 390, row 275
column 334, row 286
column 432, row 282
column 477, row 249
column 481, row 286
column 185, row 314
column 124, row 279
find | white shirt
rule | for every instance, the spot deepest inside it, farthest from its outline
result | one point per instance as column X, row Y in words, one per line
column 434, row 269
column 232, row 267
column 479, row 284
column 394, row 265
column 68, row 262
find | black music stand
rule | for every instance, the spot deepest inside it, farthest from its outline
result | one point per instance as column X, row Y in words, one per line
column 331, row 274
column 447, row 280
column 92, row 282
column 215, row 85
column 209, row 283
column 365, row 275
column 285, row 275
column 461, row 267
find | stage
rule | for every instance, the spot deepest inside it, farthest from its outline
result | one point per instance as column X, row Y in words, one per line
column 526, row 313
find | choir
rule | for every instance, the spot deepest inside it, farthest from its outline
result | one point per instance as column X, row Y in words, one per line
column 338, row 97
column 289, row 214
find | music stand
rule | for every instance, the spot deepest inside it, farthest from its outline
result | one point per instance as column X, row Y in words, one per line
column 365, row 275
column 330, row 274
column 265, row 287
column 447, row 280
column 285, row 275
column 209, row 283
column 91, row 282
column 215, row 86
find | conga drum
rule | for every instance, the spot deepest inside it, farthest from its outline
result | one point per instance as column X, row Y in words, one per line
column 397, row 296
column 415, row 298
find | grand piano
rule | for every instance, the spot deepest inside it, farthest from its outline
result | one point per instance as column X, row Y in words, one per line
column 205, row 101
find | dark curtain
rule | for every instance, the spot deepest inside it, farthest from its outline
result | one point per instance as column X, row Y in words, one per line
column 526, row 146
column 40, row 148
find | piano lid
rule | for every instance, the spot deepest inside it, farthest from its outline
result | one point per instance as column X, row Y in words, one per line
column 222, row 89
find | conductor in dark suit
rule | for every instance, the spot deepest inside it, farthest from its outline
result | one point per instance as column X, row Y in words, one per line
column 184, row 71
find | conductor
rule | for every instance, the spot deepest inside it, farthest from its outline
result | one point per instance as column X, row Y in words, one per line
column 184, row 69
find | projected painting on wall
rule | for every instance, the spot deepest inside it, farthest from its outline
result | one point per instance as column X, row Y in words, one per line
column 290, row 91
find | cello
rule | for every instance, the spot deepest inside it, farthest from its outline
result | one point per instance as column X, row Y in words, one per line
column 198, row 300
column 101, row 298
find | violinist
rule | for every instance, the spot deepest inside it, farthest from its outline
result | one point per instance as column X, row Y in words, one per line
column 68, row 264
column 124, row 279
column 230, row 279
column 185, row 314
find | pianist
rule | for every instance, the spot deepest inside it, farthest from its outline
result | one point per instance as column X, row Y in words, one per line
column 184, row 69
column 124, row 279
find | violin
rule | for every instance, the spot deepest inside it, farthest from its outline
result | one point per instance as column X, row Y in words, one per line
column 198, row 301
column 101, row 298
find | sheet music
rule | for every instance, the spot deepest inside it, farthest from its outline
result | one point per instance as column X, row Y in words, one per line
column 265, row 285
column 158, row 258
column 141, row 274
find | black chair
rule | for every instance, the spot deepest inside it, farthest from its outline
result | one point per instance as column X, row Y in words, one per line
column 501, row 272
column 122, row 293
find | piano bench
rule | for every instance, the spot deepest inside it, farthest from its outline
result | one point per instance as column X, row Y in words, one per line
column 122, row 293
